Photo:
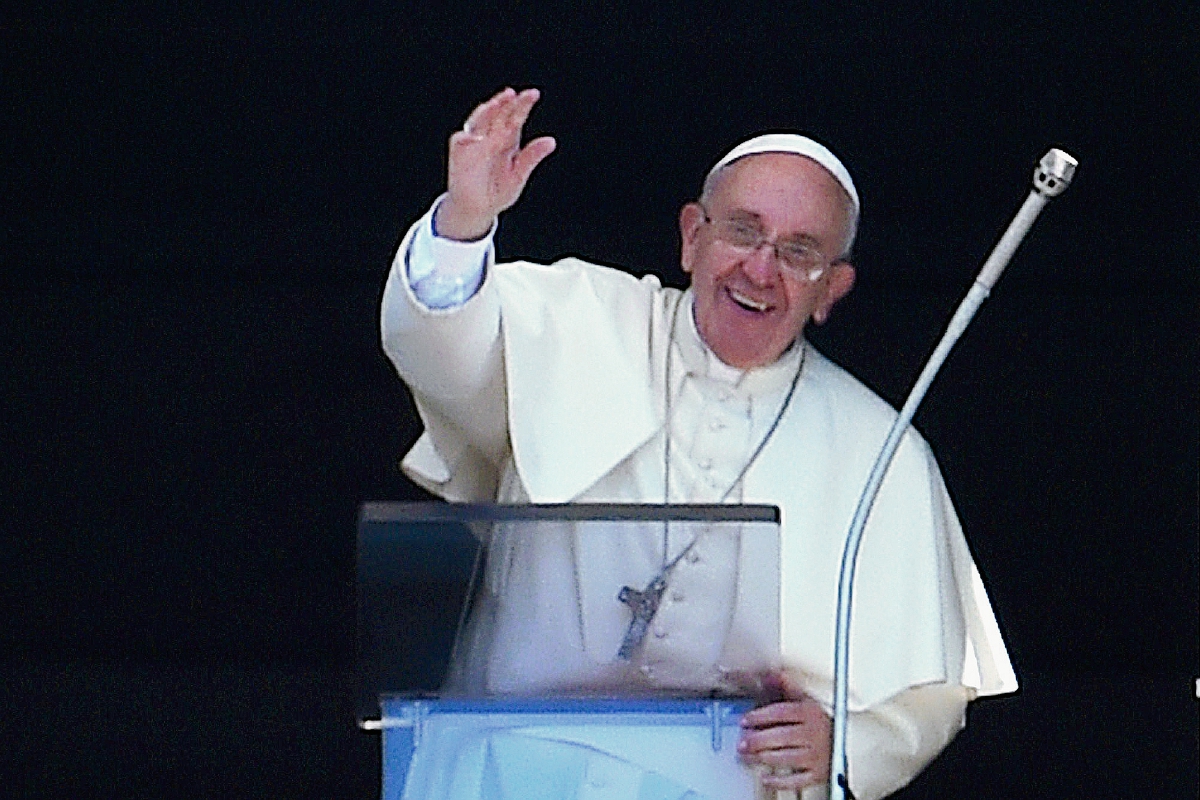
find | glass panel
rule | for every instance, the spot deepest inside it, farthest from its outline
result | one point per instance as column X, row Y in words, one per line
column 567, row 601
column 528, row 749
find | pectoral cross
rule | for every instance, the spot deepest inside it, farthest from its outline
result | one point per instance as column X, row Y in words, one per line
column 644, row 605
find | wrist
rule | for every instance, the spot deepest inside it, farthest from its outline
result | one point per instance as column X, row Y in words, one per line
column 450, row 222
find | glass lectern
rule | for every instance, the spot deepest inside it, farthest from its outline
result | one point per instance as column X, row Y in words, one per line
column 564, row 651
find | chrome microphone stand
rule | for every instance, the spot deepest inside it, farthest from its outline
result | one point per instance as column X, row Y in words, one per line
column 1050, row 179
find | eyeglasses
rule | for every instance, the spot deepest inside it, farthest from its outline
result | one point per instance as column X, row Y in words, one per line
column 797, row 258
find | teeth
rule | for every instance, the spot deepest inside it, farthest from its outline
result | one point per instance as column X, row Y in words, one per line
column 748, row 302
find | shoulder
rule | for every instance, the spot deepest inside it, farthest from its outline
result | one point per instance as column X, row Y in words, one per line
column 578, row 293
column 847, row 404
column 571, row 275
column 834, row 380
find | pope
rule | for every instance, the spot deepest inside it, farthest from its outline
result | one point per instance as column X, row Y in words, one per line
column 708, row 395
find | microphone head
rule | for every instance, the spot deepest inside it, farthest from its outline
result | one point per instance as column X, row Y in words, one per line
column 1054, row 172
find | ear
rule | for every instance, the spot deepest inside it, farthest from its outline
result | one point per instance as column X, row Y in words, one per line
column 691, row 219
column 841, row 281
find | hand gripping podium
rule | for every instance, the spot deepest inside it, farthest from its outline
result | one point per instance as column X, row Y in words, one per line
column 541, row 652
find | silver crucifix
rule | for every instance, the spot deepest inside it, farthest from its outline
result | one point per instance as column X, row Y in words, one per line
column 644, row 605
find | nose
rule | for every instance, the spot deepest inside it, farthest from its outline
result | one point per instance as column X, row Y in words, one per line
column 761, row 266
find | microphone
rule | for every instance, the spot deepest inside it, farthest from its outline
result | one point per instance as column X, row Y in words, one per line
column 1054, row 173
column 1051, row 178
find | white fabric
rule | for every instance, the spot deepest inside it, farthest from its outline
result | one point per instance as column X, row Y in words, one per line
column 548, row 384
column 799, row 145
column 445, row 273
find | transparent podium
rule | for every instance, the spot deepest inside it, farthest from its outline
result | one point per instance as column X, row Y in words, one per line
column 565, row 651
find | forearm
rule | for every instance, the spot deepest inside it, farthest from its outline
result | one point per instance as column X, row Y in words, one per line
column 450, row 358
column 443, row 353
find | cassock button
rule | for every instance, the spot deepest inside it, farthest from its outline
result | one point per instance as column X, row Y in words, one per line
column 677, row 596
column 660, row 633
column 706, row 463
column 693, row 557
column 716, row 425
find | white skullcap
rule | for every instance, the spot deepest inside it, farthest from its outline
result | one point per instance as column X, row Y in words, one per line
column 801, row 146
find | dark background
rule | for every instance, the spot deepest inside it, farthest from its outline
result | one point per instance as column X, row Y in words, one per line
column 199, row 208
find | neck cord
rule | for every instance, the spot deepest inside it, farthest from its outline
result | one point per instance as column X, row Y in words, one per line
column 644, row 604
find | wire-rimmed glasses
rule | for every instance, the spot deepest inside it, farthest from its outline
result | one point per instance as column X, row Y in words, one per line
column 799, row 258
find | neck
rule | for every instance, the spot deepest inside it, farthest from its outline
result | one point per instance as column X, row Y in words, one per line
column 785, row 371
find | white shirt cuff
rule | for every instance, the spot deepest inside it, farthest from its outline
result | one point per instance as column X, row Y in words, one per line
column 445, row 273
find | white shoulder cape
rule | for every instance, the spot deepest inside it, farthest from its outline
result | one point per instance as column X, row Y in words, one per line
column 576, row 342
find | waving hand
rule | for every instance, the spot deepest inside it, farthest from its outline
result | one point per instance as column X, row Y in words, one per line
column 488, row 167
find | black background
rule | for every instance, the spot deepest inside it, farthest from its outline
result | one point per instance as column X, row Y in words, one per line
column 199, row 209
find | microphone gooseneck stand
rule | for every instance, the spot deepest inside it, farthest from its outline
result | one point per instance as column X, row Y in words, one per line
column 1050, row 179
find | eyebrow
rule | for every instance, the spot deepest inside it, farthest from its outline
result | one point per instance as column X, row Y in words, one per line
column 743, row 215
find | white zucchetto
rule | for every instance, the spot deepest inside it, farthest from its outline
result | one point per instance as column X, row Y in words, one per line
column 799, row 145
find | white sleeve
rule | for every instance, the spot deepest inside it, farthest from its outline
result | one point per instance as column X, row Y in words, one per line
column 452, row 361
column 444, row 273
column 890, row 743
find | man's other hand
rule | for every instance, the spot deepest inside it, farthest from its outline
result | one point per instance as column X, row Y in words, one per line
column 793, row 737
column 488, row 168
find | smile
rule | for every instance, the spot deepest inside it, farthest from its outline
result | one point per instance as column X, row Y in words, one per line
column 748, row 303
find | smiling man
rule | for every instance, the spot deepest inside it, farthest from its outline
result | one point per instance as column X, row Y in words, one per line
column 573, row 382
column 752, row 300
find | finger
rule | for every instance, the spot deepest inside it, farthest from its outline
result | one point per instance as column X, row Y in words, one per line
column 794, row 780
column 506, row 119
column 784, row 737
column 484, row 117
column 510, row 120
column 531, row 155
column 518, row 110
column 790, row 757
column 790, row 712
column 784, row 769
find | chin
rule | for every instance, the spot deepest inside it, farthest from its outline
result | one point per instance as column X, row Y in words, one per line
column 743, row 341
column 748, row 351
column 742, row 360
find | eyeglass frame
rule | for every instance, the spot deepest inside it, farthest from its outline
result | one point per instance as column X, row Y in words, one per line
column 811, row 274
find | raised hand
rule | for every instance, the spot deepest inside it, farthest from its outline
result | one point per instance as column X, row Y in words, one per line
column 488, row 168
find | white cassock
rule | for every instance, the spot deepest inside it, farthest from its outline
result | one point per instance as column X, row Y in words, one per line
column 550, row 385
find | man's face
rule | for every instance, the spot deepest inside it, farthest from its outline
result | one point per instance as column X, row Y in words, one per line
column 749, row 309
